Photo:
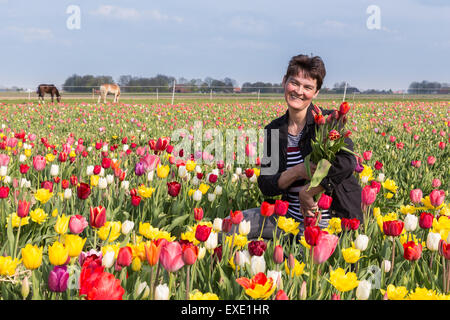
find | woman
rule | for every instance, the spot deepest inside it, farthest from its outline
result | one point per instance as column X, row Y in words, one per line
column 293, row 133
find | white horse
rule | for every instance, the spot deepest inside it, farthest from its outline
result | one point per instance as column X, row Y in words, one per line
column 106, row 88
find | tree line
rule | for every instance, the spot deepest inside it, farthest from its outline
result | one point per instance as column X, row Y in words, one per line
column 163, row 83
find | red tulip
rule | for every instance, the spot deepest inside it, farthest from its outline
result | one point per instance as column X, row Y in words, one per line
column 190, row 253
column 281, row 207
column 73, row 180
column 83, row 191
column 226, row 225
column 198, row 214
column 23, row 208
column 97, row 216
column 437, row 197
column 267, row 209
column 375, row 185
column 97, row 169
column 344, row 108
column 309, row 221
column 106, row 163
column 319, row 119
column 333, row 135
column 325, row 246
column 202, row 233
column 281, row 295
column 162, row 144
column 135, row 200
column 324, row 202
column 350, row 224
column 23, row 168
column 278, row 255
column 415, row 195
column 4, row 192
column 174, row 188
column 444, row 249
column 105, row 287
column 257, row 247
column 367, row 155
column 412, row 251
column 368, row 195
column 378, row 165
column 312, row 234
column 236, row 216
column 249, row 173
column 442, row 145
column 393, row 228
column 212, row 178
column 124, row 257
column 171, row 256
column 426, row 220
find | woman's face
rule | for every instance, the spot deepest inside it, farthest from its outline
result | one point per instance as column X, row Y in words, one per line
column 299, row 91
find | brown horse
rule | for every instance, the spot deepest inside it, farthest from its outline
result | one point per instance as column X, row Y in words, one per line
column 106, row 88
column 48, row 88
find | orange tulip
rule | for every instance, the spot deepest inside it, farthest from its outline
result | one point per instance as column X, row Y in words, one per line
column 152, row 252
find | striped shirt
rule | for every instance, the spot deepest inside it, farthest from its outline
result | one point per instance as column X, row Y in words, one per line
column 295, row 157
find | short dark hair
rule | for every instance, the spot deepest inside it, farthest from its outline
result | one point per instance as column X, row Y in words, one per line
column 312, row 67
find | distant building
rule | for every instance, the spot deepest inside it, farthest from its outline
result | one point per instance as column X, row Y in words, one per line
column 236, row 90
column 181, row 88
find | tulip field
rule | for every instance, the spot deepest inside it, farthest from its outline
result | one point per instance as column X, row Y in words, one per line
column 97, row 202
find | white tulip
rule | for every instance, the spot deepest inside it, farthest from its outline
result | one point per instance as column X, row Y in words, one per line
column 22, row 158
column 162, row 292
column 67, row 193
column 217, row 224
column 105, row 148
column 363, row 290
column 215, row 171
column 212, row 241
column 89, row 149
column 386, row 266
column 127, row 226
column 125, row 184
column 143, row 288
column 364, row 179
column 102, row 172
column 234, row 178
column 90, row 170
column 276, row 277
column 150, row 175
column 433, row 240
column 238, row 171
column 380, row 177
column 125, row 147
column 108, row 259
column 257, row 264
column 211, row 197
column 198, row 169
column 253, row 178
column 182, row 172
column 110, row 178
column 201, row 252
column 361, row 242
column 195, row 181
column 218, row 190
column 244, row 257
column 244, row 227
column 7, row 180
column 3, row 171
column 102, row 183
column 197, row 196
column 410, row 222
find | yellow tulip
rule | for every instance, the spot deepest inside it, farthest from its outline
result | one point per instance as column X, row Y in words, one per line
column 74, row 244
column 43, row 195
column 148, row 231
column 351, row 255
column 145, row 192
column 62, row 224
column 197, row 295
column 27, row 152
column 395, row 293
column 111, row 228
column 32, row 256
column 203, row 188
column 58, row 253
column 8, row 266
column 49, row 157
column 38, row 215
column 111, row 247
column 190, row 165
column 162, row 171
column 288, row 225
column 297, row 270
column 94, row 180
column 343, row 281
column 335, row 225
column 390, row 185
column 16, row 220
column 136, row 264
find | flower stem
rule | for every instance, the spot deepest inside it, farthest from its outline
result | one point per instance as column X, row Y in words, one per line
column 311, row 271
column 262, row 227
column 187, row 281
column 17, row 239
column 393, row 255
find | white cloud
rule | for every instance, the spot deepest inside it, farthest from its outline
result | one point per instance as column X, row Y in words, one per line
column 247, row 25
column 29, row 34
column 131, row 14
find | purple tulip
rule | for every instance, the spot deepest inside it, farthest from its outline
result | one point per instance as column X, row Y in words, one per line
column 359, row 168
column 58, row 278
column 139, row 170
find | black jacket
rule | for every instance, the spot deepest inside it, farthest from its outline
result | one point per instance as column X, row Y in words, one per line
column 340, row 183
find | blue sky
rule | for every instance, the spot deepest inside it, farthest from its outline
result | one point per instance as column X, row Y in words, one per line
column 246, row 40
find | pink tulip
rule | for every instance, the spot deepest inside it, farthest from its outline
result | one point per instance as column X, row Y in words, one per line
column 436, row 183
column 77, row 224
column 4, row 160
column 368, row 195
column 415, row 195
column 367, row 155
column 150, row 162
column 326, row 244
column 437, row 197
column 431, row 160
column 171, row 256
column 31, row 137
column 39, row 163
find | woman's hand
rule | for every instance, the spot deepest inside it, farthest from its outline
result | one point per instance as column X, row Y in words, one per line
column 302, row 170
column 307, row 204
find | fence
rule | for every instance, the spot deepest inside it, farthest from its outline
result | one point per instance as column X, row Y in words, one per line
column 186, row 92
